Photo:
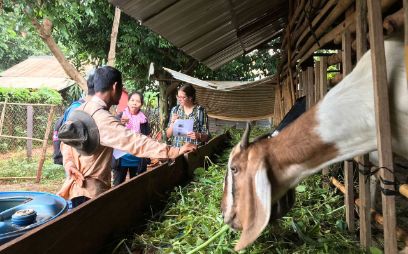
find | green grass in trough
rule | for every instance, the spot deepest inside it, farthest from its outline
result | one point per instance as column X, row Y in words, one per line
column 193, row 216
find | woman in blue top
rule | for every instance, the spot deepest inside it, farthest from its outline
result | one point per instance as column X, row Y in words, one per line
column 188, row 109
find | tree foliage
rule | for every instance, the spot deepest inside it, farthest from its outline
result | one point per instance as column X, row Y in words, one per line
column 82, row 29
column 25, row 95
column 17, row 43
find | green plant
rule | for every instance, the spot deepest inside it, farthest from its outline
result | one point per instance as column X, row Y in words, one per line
column 23, row 95
column 192, row 217
column 17, row 167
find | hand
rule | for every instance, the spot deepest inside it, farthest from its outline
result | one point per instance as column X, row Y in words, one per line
column 74, row 173
column 194, row 135
column 187, row 147
column 124, row 120
column 174, row 117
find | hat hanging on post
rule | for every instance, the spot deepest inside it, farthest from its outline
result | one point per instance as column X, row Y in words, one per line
column 80, row 132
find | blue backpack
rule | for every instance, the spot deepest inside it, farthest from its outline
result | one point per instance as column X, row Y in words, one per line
column 57, row 155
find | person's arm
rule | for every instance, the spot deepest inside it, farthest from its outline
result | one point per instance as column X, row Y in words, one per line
column 115, row 135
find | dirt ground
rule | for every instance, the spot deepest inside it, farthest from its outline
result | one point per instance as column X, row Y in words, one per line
column 30, row 185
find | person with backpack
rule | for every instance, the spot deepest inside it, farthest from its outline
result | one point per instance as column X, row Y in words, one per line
column 57, row 155
column 188, row 109
column 91, row 133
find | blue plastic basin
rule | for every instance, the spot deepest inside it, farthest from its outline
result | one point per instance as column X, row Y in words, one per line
column 21, row 211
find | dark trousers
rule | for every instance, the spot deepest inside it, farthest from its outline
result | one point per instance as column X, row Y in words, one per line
column 119, row 174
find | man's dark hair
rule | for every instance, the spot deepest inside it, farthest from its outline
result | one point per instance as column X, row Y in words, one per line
column 105, row 77
column 189, row 90
column 138, row 93
column 90, row 84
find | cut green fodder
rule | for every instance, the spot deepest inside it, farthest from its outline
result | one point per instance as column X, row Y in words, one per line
column 192, row 217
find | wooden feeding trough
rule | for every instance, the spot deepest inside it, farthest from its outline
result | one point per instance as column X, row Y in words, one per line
column 88, row 227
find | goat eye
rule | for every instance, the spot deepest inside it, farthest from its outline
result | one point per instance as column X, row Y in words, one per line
column 234, row 170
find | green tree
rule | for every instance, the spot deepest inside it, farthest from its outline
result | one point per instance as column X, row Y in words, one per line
column 16, row 42
column 82, row 29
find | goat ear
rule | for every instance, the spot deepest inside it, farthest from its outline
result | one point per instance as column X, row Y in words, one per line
column 245, row 137
column 258, row 209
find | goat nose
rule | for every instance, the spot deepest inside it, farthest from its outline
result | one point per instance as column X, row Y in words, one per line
column 222, row 214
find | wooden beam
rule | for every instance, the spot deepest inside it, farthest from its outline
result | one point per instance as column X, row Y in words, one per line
column 347, row 66
column 340, row 8
column 317, row 82
column 3, row 113
column 364, row 186
column 365, row 202
column 30, row 114
column 325, row 39
column 310, row 87
column 44, row 146
column 406, row 37
column 322, row 92
column 400, row 233
column 382, row 114
column 349, row 195
column 323, row 76
column 327, row 7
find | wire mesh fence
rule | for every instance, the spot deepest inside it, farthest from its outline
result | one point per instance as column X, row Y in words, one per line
column 23, row 127
column 26, row 131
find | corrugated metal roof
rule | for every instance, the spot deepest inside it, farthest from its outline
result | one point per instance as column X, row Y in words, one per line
column 233, row 100
column 214, row 32
column 35, row 82
column 36, row 72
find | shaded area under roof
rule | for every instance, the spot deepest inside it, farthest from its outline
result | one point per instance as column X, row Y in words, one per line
column 36, row 72
column 233, row 100
column 213, row 32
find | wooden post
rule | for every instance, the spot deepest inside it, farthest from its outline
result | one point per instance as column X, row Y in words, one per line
column 322, row 92
column 30, row 113
column 303, row 84
column 406, row 36
column 365, row 203
column 349, row 196
column 317, row 82
column 382, row 114
column 363, row 185
column 346, row 53
column 310, row 88
column 44, row 146
column 348, row 165
column 3, row 113
column 323, row 76
column 277, row 108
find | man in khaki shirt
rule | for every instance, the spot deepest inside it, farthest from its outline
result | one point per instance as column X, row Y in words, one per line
column 90, row 175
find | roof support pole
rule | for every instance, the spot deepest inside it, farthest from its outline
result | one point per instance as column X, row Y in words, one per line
column 363, row 185
column 406, row 35
column 382, row 114
column 348, row 165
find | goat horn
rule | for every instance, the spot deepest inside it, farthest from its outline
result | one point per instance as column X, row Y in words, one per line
column 245, row 136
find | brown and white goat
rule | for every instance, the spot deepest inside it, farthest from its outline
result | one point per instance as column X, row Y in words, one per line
column 261, row 175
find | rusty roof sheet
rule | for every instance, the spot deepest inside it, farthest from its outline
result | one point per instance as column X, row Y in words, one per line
column 213, row 32
column 36, row 72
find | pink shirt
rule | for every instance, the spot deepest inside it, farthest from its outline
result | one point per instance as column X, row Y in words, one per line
column 134, row 120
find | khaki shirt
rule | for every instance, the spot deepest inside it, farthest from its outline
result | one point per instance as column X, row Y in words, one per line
column 96, row 168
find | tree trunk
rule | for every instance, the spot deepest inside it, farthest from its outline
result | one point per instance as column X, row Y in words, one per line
column 44, row 31
column 114, row 36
